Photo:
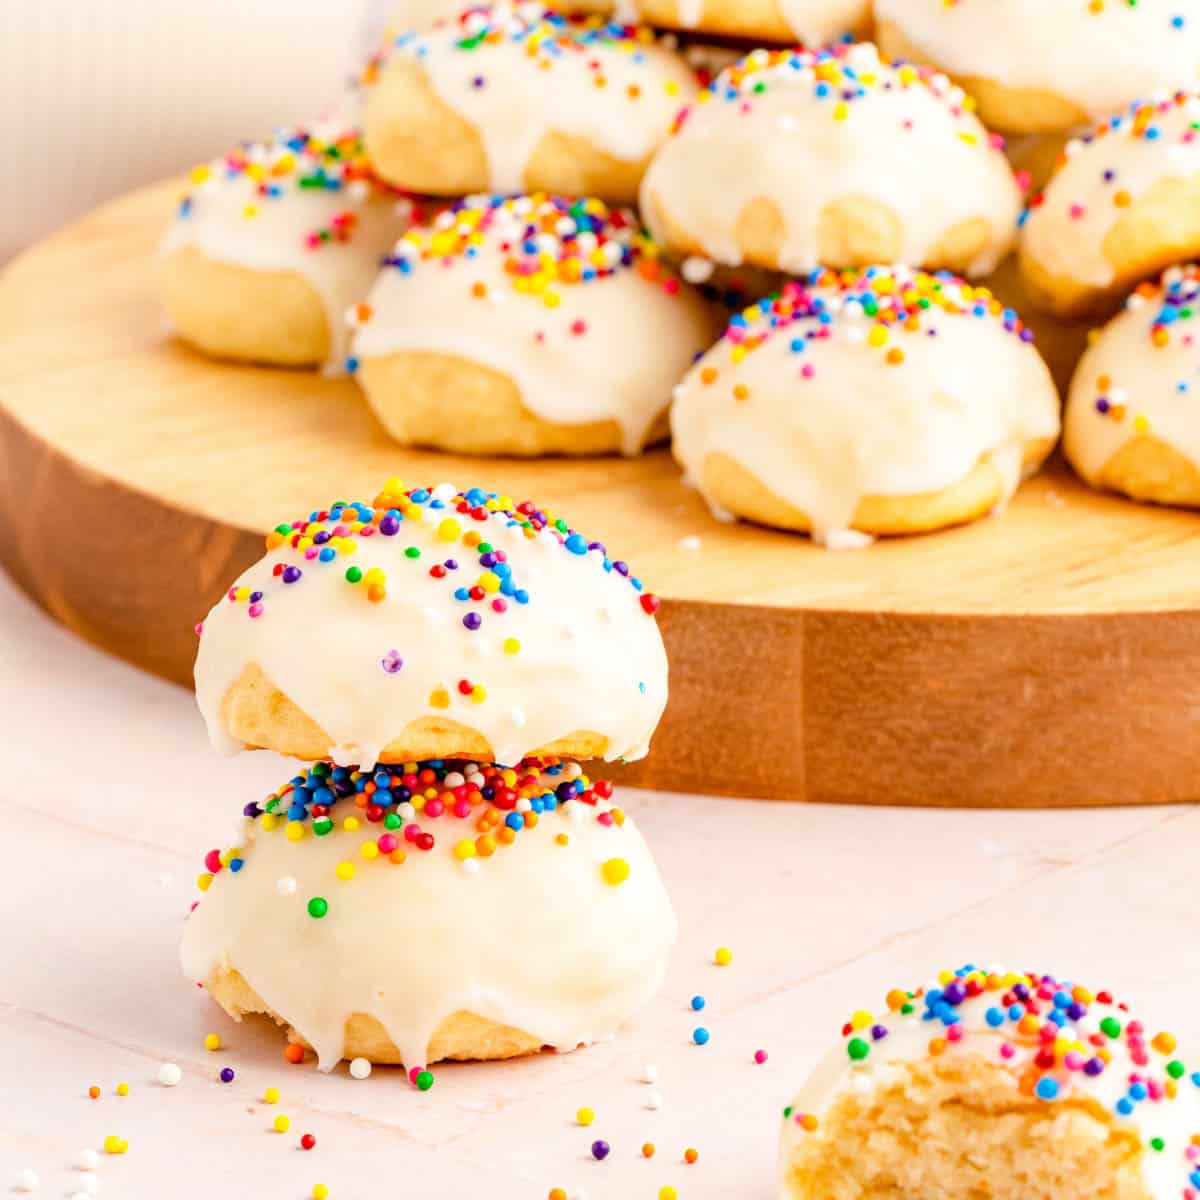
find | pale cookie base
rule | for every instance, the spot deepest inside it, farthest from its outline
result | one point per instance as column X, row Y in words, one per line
column 462, row 1036
column 733, row 487
column 1008, row 110
column 420, row 144
column 760, row 19
column 958, row 1129
column 256, row 713
column 1148, row 469
column 235, row 312
column 1161, row 228
column 1060, row 343
column 408, row 392
column 855, row 231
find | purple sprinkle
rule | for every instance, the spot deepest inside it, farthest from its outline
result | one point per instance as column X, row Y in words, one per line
column 451, row 564
column 320, row 538
column 389, row 527
column 255, row 597
column 291, row 574
column 600, row 1150
column 252, row 810
column 391, row 662
column 226, row 1074
column 1102, row 404
column 879, row 1032
column 472, row 620
column 1093, row 1067
column 621, row 568
column 487, row 560
column 477, row 82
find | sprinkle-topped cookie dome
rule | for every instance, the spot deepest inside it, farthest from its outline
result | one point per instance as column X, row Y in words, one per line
column 1132, row 421
column 793, row 158
column 557, row 316
column 449, row 909
column 304, row 208
column 522, row 97
column 434, row 624
column 1056, row 1087
column 849, row 387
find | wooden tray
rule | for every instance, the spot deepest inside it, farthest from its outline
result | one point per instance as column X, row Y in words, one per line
column 1049, row 657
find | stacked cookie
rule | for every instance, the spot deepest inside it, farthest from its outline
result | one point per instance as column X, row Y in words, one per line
column 441, row 878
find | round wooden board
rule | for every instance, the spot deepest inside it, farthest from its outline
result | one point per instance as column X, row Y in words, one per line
column 1048, row 657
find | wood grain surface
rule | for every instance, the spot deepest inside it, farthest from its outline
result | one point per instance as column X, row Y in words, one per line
column 1047, row 657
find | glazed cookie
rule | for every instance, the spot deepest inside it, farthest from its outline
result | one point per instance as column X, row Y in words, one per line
column 520, row 98
column 433, row 624
column 1123, row 204
column 794, row 159
column 551, row 322
column 1038, row 67
column 1133, row 422
column 434, row 911
column 1000, row 1084
column 863, row 403
column 272, row 244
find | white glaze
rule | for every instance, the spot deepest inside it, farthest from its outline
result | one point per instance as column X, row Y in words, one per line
column 590, row 658
column 533, row 938
column 522, row 99
column 1065, row 233
column 276, row 236
column 612, row 349
column 910, row 147
column 1098, row 61
column 813, row 22
column 860, row 426
column 907, row 1040
column 1151, row 389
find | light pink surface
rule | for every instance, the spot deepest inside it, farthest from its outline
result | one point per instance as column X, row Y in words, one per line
column 112, row 795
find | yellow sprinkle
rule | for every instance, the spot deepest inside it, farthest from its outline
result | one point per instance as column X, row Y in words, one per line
column 294, row 831
column 878, row 336
column 204, row 882
column 585, row 1116
column 122, row 1089
column 512, row 645
column 271, row 1096
column 615, row 871
column 439, row 698
column 478, row 694
column 449, row 530
column 667, row 1193
column 282, row 1124
column 115, row 1145
column 319, row 1191
column 344, row 870
column 350, row 824
column 200, row 174
column 489, row 581
column 1140, row 424
column 268, row 821
column 841, row 110
column 369, row 850
column 212, row 1041
column 465, row 849
column 860, row 1020
column 251, row 210
column 724, row 956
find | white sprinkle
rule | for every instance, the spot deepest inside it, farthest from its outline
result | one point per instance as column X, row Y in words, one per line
column 433, row 616
column 444, row 492
column 470, row 866
column 654, row 1099
column 650, row 1073
column 285, row 885
column 571, row 770
column 406, row 811
column 89, row 1184
column 169, row 1074
column 360, row 1068
column 691, row 542
column 454, row 779
column 518, row 717
column 88, row 1159
column 524, row 804
column 697, row 270
column 27, row 1180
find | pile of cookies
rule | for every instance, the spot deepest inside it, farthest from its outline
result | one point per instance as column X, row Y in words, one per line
column 442, row 878
column 468, row 250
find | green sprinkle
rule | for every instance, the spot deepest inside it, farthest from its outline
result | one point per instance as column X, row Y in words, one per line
column 412, row 552
column 1111, row 1027
column 318, row 906
column 353, row 574
column 392, row 821
column 321, row 826
column 858, row 1049
column 425, row 1080
column 1158, row 1144
column 1176, row 1069
column 787, row 1112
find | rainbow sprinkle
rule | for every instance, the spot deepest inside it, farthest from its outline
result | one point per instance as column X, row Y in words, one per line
column 328, row 538
column 296, row 160
column 487, row 807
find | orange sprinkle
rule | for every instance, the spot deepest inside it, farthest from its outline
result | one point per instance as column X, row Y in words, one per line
column 94, row 1092
column 690, row 1155
column 293, row 1053
column 708, row 375
column 647, row 1149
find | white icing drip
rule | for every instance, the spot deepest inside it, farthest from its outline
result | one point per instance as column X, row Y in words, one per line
column 412, row 944
column 1159, row 387
column 1163, row 1174
column 1065, row 233
column 322, row 642
column 1098, row 61
column 634, row 344
column 860, row 426
column 275, row 237
column 903, row 147
column 521, row 100
column 816, row 22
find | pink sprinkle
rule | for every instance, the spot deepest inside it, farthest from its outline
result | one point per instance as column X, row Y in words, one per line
column 499, row 605
column 462, row 808
column 199, row 628
column 1073, row 1060
column 671, row 286
column 387, row 843
column 412, row 832
column 578, row 327
column 605, row 818
column 311, row 553
column 996, row 141
column 1007, row 1050
column 212, row 861
column 232, row 595
column 313, row 240
column 413, row 1073
column 434, row 808
column 1077, row 211
column 1024, row 180
column 256, row 610
column 954, row 1033
column 807, row 371
column 760, row 1057
column 1193, row 1153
